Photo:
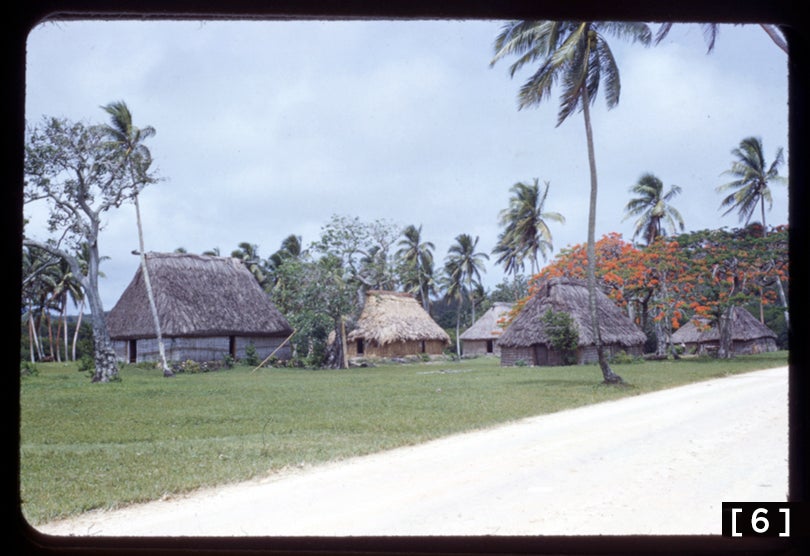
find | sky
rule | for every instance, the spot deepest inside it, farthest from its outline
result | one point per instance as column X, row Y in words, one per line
column 269, row 128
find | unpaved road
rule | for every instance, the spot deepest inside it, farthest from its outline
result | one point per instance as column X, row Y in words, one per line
column 659, row 463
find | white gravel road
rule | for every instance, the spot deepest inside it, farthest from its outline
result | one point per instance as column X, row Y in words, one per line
column 659, row 463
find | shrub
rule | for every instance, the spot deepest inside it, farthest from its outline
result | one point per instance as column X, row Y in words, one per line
column 623, row 358
column 28, row 368
column 190, row 366
column 562, row 334
column 251, row 357
column 87, row 363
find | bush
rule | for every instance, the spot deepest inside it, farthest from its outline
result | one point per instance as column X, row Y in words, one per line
column 27, row 368
column 623, row 358
column 87, row 363
column 251, row 357
column 190, row 366
column 562, row 334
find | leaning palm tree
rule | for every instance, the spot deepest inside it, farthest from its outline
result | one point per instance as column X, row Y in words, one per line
column 467, row 263
column 417, row 258
column 576, row 55
column 126, row 136
column 526, row 232
column 652, row 208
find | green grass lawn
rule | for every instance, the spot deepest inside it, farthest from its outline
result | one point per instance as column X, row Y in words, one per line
column 86, row 446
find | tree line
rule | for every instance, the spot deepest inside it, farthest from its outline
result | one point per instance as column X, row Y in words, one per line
column 83, row 171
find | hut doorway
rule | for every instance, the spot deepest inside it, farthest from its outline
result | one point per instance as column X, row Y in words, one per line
column 232, row 346
column 540, row 355
column 133, row 351
column 490, row 346
column 361, row 348
column 423, row 346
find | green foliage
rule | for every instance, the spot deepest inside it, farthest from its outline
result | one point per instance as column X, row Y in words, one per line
column 190, row 366
column 86, row 363
column 563, row 335
column 251, row 356
column 623, row 358
column 27, row 368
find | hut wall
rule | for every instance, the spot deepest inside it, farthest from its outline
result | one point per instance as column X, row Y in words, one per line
column 510, row 356
column 210, row 348
column 396, row 349
column 479, row 347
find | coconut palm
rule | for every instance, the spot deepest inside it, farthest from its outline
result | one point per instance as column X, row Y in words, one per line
column 467, row 264
column 526, row 232
column 248, row 253
column 750, row 190
column 125, row 135
column 417, row 258
column 652, row 208
column 577, row 55
column 711, row 30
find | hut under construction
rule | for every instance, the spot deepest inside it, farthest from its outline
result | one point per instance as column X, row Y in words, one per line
column 525, row 340
column 208, row 308
column 748, row 335
column 482, row 337
column 394, row 324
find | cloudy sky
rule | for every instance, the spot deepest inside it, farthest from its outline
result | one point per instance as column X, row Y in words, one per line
column 266, row 129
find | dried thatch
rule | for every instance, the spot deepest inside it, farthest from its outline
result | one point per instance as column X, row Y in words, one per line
column 395, row 324
column 487, row 327
column 196, row 296
column 571, row 296
column 748, row 335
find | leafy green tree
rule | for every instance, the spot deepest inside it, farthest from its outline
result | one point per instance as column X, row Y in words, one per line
column 652, row 208
column 76, row 170
column 125, row 136
column 562, row 334
column 417, row 261
column 525, row 230
column 576, row 55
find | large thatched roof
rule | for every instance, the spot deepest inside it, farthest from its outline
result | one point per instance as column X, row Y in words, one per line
column 196, row 295
column 744, row 327
column 389, row 317
column 570, row 296
column 487, row 327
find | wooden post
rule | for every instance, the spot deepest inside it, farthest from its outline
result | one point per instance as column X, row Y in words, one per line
column 266, row 359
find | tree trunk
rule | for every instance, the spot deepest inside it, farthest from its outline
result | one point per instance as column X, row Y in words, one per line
column 607, row 373
column 724, row 330
column 150, row 294
column 76, row 332
column 106, row 366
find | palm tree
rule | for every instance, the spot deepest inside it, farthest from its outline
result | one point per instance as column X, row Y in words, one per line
column 652, row 208
column 711, row 30
column 575, row 54
column 452, row 283
column 753, row 174
column 137, row 157
column 750, row 190
column 467, row 264
column 417, row 258
column 248, row 253
column 526, row 232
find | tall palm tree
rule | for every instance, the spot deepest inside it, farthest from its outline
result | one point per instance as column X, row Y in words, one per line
column 453, row 285
column 711, row 30
column 125, row 135
column 577, row 55
column 417, row 257
column 248, row 253
column 750, row 190
column 652, row 208
column 526, row 232
column 467, row 263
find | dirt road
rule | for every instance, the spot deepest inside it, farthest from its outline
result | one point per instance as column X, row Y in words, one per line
column 660, row 463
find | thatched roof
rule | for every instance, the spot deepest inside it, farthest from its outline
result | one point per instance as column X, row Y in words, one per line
column 389, row 317
column 196, row 295
column 744, row 327
column 570, row 296
column 487, row 327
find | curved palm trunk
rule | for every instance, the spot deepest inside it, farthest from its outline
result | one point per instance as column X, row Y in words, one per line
column 76, row 332
column 150, row 294
column 607, row 373
column 779, row 287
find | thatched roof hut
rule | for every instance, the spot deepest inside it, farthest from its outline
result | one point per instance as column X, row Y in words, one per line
column 394, row 324
column 748, row 335
column 208, row 307
column 482, row 337
column 526, row 340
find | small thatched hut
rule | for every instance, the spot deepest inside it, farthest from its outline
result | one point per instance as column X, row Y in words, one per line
column 748, row 335
column 482, row 337
column 525, row 339
column 208, row 307
column 394, row 324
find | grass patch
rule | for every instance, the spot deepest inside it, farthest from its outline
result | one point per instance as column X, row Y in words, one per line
column 87, row 446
